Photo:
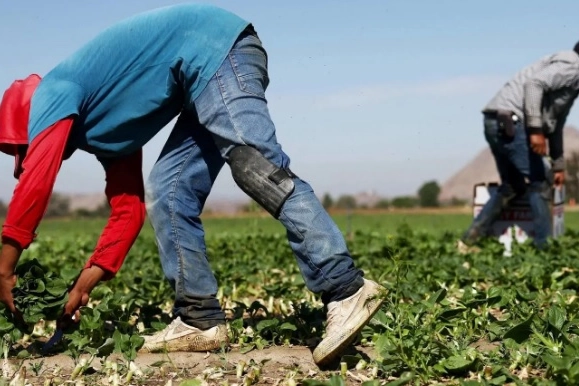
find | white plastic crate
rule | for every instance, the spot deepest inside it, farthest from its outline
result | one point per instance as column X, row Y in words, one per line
column 516, row 221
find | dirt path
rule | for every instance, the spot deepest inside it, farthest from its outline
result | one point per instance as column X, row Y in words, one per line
column 276, row 364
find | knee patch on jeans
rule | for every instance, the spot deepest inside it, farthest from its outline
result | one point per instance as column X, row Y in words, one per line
column 543, row 188
column 269, row 185
column 507, row 192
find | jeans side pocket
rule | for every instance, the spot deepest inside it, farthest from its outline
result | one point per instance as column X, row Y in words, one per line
column 250, row 67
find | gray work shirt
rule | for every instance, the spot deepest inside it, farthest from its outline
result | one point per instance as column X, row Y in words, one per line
column 542, row 95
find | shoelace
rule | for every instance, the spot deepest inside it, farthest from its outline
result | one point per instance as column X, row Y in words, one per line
column 171, row 326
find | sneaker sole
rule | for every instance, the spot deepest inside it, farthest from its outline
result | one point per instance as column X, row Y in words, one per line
column 328, row 350
column 188, row 343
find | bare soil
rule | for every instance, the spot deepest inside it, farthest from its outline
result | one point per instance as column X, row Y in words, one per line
column 277, row 364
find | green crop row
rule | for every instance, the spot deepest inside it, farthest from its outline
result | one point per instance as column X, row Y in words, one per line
column 481, row 318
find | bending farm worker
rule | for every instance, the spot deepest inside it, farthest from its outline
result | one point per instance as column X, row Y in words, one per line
column 208, row 67
column 522, row 124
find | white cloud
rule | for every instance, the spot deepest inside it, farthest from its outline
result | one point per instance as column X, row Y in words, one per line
column 375, row 94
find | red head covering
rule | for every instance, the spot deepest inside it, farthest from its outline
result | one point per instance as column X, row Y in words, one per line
column 14, row 114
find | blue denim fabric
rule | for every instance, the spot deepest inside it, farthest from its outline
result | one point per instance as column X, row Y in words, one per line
column 231, row 111
column 521, row 171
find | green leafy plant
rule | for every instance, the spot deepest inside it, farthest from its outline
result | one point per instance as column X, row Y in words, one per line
column 39, row 293
column 481, row 318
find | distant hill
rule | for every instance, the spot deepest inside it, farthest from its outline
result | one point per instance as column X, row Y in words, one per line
column 88, row 201
column 483, row 169
column 91, row 201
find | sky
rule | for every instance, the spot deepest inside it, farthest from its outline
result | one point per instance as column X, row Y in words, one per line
column 369, row 95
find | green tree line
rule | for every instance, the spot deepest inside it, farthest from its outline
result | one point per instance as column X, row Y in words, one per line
column 59, row 206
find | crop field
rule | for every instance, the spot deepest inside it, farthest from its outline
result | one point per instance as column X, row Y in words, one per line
column 452, row 319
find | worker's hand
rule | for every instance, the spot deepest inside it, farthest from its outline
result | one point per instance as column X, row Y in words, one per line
column 9, row 255
column 78, row 296
column 7, row 282
column 559, row 178
column 538, row 143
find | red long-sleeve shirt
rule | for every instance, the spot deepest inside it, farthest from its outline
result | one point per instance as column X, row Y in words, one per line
column 124, row 191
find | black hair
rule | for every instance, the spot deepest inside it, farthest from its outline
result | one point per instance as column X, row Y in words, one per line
column 576, row 48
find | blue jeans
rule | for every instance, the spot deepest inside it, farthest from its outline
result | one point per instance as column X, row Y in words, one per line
column 521, row 171
column 232, row 111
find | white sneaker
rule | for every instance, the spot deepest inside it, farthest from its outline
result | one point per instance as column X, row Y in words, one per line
column 465, row 249
column 345, row 319
column 179, row 336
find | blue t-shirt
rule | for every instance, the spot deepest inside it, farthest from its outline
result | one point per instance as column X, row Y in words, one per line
column 133, row 78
